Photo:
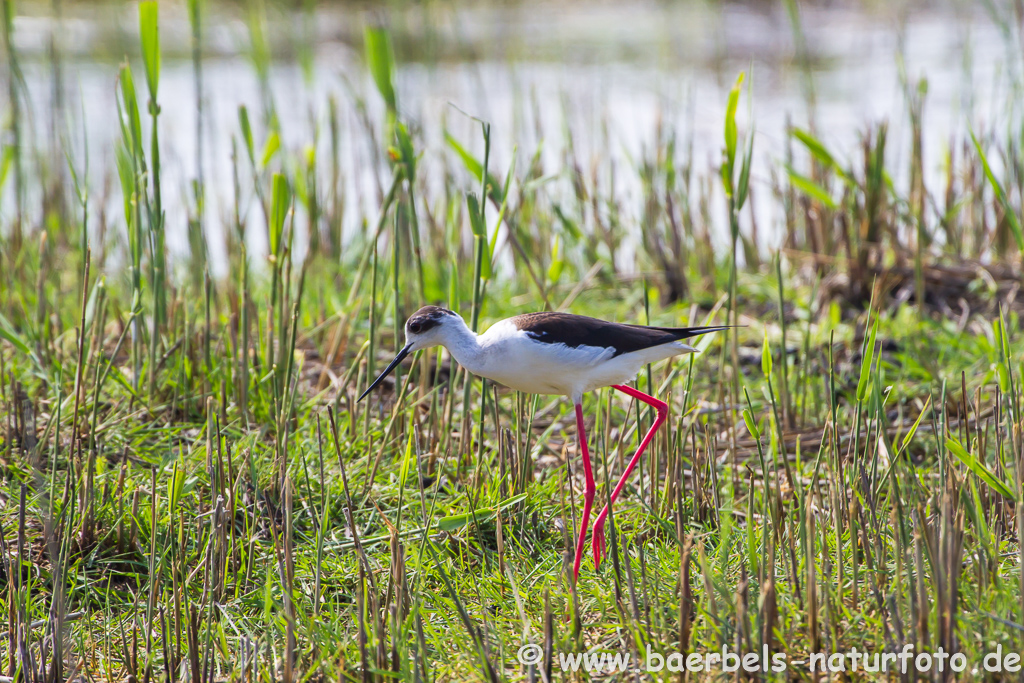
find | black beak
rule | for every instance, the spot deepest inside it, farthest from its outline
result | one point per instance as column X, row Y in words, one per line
column 387, row 371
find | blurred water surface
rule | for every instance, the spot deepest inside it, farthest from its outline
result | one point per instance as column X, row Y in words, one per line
column 612, row 77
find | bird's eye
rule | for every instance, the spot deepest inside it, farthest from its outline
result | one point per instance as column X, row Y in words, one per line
column 415, row 328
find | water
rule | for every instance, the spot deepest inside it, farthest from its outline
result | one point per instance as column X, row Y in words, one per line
column 527, row 68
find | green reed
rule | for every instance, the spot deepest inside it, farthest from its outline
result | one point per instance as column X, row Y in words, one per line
column 189, row 490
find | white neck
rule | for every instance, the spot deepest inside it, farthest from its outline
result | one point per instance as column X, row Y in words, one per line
column 464, row 345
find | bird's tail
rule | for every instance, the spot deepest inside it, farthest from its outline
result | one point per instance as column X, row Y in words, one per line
column 688, row 332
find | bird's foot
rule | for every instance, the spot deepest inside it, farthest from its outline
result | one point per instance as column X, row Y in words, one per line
column 598, row 541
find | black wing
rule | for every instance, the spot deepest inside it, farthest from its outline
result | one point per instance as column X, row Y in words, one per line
column 580, row 330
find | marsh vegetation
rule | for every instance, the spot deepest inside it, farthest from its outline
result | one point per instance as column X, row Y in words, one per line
column 190, row 491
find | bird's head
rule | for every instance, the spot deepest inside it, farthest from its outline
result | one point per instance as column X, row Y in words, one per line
column 428, row 327
column 424, row 329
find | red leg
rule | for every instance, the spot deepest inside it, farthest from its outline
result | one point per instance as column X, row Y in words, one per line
column 662, row 412
column 588, row 495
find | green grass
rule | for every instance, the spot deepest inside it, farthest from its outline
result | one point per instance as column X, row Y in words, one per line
column 189, row 491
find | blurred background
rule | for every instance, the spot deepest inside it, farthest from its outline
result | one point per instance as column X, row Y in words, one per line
column 598, row 86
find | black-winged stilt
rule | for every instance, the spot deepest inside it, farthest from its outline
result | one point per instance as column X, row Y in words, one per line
column 556, row 353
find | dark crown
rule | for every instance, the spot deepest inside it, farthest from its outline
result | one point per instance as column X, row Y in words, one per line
column 427, row 318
